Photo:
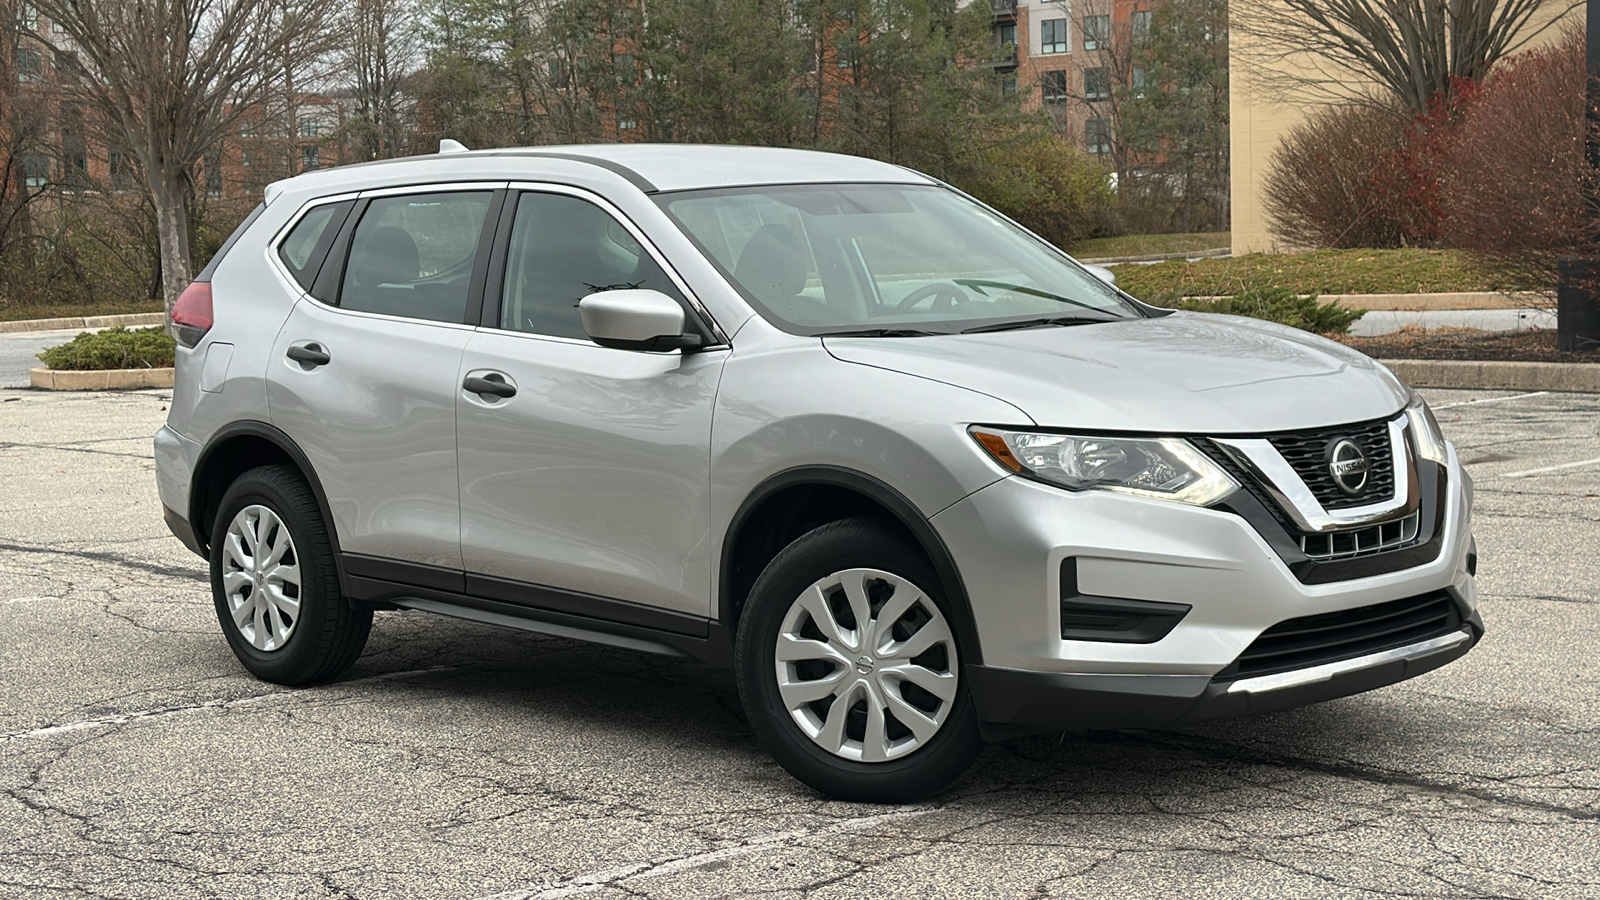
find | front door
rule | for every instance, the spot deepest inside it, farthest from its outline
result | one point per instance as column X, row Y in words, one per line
column 589, row 470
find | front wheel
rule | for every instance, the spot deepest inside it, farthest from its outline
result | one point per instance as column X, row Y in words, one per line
column 850, row 670
column 275, row 584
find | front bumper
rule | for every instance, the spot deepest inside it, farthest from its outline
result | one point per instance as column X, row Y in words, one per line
column 1010, row 540
column 1053, row 700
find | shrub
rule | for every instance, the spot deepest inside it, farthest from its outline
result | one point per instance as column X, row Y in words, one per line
column 1513, row 176
column 1284, row 307
column 1348, row 177
column 114, row 348
column 1050, row 186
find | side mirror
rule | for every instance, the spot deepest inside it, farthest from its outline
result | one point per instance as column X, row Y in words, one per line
column 635, row 320
column 1102, row 273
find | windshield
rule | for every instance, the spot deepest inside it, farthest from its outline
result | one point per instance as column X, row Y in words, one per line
column 887, row 259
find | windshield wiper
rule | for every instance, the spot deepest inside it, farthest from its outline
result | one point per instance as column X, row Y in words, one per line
column 1035, row 323
column 881, row 332
column 978, row 284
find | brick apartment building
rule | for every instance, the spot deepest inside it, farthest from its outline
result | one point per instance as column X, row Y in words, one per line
column 1069, row 59
column 50, row 144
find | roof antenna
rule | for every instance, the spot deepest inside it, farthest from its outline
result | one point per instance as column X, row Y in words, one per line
column 449, row 146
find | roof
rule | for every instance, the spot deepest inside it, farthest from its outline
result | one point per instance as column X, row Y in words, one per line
column 673, row 167
column 667, row 167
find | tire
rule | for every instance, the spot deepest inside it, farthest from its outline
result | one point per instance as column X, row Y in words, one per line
column 855, row 740
column 304, row 632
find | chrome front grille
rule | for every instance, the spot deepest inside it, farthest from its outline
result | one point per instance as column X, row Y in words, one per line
column 1306, row 451
column 1373, row 539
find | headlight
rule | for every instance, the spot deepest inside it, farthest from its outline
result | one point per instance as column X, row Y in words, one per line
column 1425, row 430
column 1160, row 468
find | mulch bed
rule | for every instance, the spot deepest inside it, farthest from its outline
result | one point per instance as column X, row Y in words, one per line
column 1466, row 343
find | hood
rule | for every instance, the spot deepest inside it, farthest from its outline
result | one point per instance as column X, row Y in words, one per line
column 1189, row 373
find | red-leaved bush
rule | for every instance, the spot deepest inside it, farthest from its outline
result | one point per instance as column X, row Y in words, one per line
column 1500, row 172
column 1511, row 186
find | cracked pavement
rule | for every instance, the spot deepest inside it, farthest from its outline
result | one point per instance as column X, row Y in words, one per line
column 137, row 759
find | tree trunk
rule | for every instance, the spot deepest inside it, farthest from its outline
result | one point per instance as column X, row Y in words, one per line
column 172, row 230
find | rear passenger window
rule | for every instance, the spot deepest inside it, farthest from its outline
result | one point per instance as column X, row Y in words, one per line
column 307, row 245
column 412, row 255
column 562, row 250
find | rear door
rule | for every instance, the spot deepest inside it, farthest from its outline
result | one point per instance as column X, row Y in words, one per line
column 592, row 475
column 364, row 374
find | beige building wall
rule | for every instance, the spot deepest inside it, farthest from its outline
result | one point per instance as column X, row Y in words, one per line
column 1261, row 113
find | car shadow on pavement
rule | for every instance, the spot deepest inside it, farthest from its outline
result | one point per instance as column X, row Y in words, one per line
column 622, row 699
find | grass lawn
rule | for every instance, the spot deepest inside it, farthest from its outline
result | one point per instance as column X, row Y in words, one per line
column 1149, row 244
column 1318, row 272
column 12, row 312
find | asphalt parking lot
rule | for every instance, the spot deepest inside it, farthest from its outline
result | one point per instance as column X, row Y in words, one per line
column 138, row 760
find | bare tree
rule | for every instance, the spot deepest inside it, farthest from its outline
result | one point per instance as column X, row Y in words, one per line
column 170, row 78
column 384, row 49
column 1416, row 52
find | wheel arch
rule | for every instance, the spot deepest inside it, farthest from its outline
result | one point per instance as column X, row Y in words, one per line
column 794, row 501
column 235, row 449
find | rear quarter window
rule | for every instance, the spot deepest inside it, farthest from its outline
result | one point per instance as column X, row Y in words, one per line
column 306, row 245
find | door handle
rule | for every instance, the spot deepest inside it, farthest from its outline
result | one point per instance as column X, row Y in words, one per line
column 493, row 384
column 310, row 353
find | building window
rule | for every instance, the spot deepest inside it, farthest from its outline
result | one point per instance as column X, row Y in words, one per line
column 30, row 17
column 1053, row 89
column 120, row 171
column 36, row 170
column 627, row 124
column 1053, row 36
column 1096, row 137
column 1006, row 33
column 29, row 64
column 310, row 127
column 1008, row 85
column 74, row 163
column 1141, row 23
column 1096, row 84
column 1138, row 81
column 309, row 158
column 213, row 163
column 1096, row 32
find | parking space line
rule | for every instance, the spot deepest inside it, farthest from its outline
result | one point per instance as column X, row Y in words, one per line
column 1540, row 471
column 1490, row 400
column 163, row 711
column 594, row 881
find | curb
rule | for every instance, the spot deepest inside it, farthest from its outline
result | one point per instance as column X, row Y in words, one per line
column 127, row 320
column 102, row 380
column 1456, row 300
column 1213, row 253
column 1493, row 376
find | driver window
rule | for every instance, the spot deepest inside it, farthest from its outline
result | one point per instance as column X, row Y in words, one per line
column 564, row 248
column 412, row 255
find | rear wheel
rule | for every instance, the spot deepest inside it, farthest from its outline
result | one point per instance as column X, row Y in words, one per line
column 850, row 669
column 275, row 584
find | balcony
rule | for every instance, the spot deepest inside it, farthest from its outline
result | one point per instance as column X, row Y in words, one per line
column 1003, row 7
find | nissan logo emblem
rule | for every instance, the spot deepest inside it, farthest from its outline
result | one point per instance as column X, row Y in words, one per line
column 1348, row 466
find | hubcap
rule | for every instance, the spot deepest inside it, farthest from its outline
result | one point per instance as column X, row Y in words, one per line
column 866, row 665
column 261, row 578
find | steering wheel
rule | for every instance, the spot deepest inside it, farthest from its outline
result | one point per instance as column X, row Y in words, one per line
column 944, row 294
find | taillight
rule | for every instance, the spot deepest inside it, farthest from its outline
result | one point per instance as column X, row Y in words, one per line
column 191, row 315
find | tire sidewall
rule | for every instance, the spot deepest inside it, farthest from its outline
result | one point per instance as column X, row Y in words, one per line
column 854, row 544
column 299, row 655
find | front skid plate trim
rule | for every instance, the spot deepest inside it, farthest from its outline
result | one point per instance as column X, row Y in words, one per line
column 1327, row 671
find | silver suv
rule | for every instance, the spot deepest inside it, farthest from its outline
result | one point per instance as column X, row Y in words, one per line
column 918, row 477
